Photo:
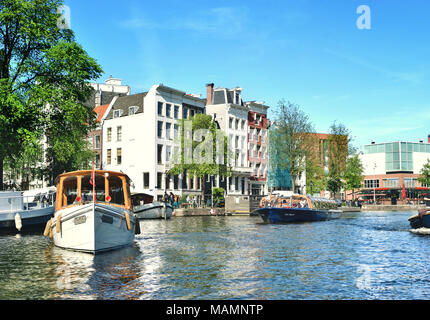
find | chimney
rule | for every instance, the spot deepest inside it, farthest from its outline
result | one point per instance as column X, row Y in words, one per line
column 210, row 93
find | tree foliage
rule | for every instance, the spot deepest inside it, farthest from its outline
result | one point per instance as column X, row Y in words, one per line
column 212, row 163
column 353, row 174
column 424, row 177
column 290, row 141
column 43, row 80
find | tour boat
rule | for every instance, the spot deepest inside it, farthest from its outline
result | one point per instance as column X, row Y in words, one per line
column 26, row 211
column 93, row 212
column 287, row 207
column 144, row 207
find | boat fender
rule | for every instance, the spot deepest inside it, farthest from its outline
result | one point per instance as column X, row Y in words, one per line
column 58, row 224
column 47, row 228
column 127, row 219
column 137, row 225
column 18, row 222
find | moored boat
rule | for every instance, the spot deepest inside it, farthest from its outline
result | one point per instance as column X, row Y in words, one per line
column 287, row 207
column 145, row 208
column 92, row 212
column 26, row 211
column 420, row 220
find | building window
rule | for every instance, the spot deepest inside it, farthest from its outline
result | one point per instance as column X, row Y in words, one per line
column 160, row 108
column 391, row 183
column 119, row 156
column 146, row 180
column 237, row 124
column 118, row 133
column 109, row 134
column 160, row 129
column 411, row 182
column 97, row 142
column 192, row 112
column 168, row 110
column 117, row 113
column 176, row 112
column 159, row 180
column 185, row 113
column 109, row 156
column 132, row 110
column 175, row 130
column 160, row 154
column 168, row 153
column 97, row 160
column 370, row 184
column 175, row 182
column 168, row 131
column 230, row 123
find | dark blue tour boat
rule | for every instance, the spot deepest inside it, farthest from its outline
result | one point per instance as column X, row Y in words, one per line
column 287, row 207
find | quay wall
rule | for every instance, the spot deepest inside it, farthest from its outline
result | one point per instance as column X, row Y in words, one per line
column 189, row 212
column 405, row 207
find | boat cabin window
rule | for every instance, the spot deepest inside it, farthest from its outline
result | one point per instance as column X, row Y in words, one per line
column 70, row 191
column 116, row 190
column 87, row 188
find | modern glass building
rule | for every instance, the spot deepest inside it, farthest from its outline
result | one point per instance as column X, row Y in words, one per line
column 388, row 167
column 399, row 156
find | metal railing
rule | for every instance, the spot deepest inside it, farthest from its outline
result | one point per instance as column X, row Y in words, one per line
column 26, row 202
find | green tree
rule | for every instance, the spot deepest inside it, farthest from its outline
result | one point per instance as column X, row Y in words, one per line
column 338, row 143
column 217, row 195
column 197, row 155
column 316, row 179
column 353, row 174
column 290, row 141
column 424, row 177
column 43, row 77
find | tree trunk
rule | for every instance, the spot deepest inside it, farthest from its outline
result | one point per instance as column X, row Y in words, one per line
column 293, row 183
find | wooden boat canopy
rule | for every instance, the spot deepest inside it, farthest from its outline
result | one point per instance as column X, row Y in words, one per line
column 137, row 198
column 75, row 188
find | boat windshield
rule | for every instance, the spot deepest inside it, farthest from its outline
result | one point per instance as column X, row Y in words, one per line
column 116, row 190
column 79, row 190
column 70, row 191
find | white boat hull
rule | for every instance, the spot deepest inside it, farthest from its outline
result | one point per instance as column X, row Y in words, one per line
column 155, row 210
column 93, row 228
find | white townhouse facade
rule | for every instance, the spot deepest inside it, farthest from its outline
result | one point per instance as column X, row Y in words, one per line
column 138, row 139
column 228, row 110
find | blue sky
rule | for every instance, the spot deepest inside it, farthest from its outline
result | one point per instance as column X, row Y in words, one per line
column 310, row 52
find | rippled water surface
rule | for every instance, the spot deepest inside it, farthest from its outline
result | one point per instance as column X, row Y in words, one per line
column 360, row 256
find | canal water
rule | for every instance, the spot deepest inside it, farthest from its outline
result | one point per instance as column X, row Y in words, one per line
column 368, row 255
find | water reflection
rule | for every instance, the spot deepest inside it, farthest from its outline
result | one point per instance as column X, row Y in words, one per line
column 361, row 256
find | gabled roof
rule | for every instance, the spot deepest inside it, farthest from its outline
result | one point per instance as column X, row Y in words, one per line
column 100, row 110
column 125, row 102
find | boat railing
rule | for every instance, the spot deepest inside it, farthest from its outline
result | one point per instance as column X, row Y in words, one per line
column 12, row 203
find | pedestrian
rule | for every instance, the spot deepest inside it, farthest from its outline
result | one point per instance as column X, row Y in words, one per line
column 172, row 199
